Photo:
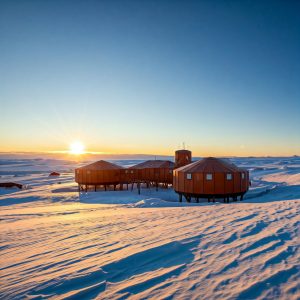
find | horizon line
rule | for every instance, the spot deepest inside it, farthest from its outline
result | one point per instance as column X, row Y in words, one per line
column 94, row 153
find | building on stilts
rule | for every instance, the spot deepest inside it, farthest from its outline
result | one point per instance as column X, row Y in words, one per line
column 100, row 174
column 210, row 178
column 152, row 173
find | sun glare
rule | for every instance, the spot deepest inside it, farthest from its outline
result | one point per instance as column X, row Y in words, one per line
column 76, row 148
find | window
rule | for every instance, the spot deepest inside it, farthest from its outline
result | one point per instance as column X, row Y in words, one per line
column 243, row 175
column 189, row 176
column 209, row 176
column 131, row 172
column 229, row 176
column 126, row 171
column 78, row 171
column 170, row 171
column 88, row 172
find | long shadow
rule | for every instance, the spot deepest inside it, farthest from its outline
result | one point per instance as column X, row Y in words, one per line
column 279, row 193
column 175, row 254
column 257, row 289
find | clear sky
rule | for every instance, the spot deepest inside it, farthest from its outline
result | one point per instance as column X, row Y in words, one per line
column 145, row 76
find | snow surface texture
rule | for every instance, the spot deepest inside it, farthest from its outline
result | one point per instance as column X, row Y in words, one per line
column 58, row 244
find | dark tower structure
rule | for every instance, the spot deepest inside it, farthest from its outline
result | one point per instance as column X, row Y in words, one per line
column 182, row 158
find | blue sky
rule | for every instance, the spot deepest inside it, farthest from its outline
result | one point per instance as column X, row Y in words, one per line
column 144, row 76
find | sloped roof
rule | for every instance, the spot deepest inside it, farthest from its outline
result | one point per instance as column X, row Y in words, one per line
column 101, row 165
column 210, row 165
column 154, row 164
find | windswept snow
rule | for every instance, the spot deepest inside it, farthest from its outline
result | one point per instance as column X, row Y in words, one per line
column 58, row 244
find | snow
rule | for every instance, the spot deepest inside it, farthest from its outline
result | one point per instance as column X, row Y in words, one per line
column 56, row 243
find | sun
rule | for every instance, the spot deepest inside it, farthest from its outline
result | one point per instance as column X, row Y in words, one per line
column 76, row 148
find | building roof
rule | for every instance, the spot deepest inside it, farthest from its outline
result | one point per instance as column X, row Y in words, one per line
column 154, row 164
column 101, row 165
column 210, row 165
column 183, row 151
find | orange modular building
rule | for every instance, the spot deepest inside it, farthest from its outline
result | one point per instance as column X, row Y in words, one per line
column 182, row 158
column 211, row 178
column 152, row 172
column 100, row 173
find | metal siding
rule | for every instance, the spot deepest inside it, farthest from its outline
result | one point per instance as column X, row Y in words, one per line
column 84, row 176
column 181, row 181
column 93, row 177
column 175, row 180
column 229, row 185
column 219, row 183
column 237, row 182
column 188, row 184
column 208, row 187
column 197, row 183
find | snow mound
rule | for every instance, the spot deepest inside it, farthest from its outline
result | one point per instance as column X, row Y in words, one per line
column 157, row 202
column 288, row 179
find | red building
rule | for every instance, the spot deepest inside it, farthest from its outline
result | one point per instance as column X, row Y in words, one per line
column 211, row 178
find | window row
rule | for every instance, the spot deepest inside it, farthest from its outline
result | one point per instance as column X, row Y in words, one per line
column 209, row 176
column 126, row 171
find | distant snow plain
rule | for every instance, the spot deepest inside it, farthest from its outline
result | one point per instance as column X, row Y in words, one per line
column 58, row 244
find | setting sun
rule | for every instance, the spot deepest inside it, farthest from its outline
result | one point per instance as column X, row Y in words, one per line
column 77, row 148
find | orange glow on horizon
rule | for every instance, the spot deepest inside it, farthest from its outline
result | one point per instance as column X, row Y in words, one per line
column 77, row 148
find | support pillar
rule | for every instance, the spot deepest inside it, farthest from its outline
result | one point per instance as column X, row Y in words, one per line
column 180, row 197
column 139, row 188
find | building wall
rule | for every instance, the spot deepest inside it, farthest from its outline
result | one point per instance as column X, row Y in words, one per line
column 198, row 184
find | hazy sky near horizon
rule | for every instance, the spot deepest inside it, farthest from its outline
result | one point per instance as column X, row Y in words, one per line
column 145, row 76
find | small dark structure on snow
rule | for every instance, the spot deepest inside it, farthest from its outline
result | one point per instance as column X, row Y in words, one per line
column 211, row 178
column 11, row 185
column 54, row 174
